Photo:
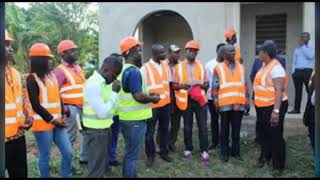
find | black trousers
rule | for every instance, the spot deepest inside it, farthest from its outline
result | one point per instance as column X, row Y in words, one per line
column 201, row 118
column 175, row 118
column 272, row 142
column 16, row 158
column 300, row 77
column 234, row 118
column 161, row 115
column 214, row 123
column 257, row 139
column 309, row 120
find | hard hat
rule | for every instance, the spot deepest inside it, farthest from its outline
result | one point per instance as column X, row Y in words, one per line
column 229, row 33
column 40, row 49
column 66, row 45
column 192, row 45
column 8, row 37
column 128, row 43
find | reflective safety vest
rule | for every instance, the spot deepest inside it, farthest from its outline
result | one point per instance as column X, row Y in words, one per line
column 182, row 78
column 264, row 91
column 232, row 89
column 13, row 105
column 89, row 118
column 129, row 108
column 158, row 83
column 72, row 90
column 49, row 98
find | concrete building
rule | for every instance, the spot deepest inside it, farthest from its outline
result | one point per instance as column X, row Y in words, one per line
column 178, row 23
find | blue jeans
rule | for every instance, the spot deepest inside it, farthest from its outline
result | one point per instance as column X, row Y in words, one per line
column 115, row 127
column 60, row 138
column 133, row 133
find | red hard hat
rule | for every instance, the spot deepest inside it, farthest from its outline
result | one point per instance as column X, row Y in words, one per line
column 40, row 49
column 192, row 45
column 229, row 33
column 128, row 43
column 8, row 37
column 66, row 45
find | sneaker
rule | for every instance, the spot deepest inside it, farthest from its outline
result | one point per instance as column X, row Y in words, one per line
column 205, row 158
column 187, row 155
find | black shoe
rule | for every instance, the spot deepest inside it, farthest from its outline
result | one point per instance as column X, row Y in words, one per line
column 166, row 158
column 294, row 112
column 246, row 114
column 224, row 158
column 261, row 162
column 83, row 162
column 149, row 162
column 237, row 157
column 114, row 163
column 172, row 148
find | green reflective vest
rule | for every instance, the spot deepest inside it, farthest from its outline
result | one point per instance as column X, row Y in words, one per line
column 89, row 119
column 129, row 108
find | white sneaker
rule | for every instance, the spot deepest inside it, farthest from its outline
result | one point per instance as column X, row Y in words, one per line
column 205, row 158
column 187, row 155
column 205, row 155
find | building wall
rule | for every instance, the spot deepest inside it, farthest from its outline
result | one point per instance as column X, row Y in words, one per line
column 294, row 28
column 165, row 30
column 207, row 21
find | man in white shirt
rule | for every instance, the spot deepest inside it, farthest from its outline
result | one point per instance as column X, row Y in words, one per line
column 213, row 114
column 100, row 97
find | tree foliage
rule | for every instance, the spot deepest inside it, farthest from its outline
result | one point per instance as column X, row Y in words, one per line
column 51, row 22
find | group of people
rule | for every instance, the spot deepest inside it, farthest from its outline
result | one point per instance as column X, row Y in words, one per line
column 133, row 97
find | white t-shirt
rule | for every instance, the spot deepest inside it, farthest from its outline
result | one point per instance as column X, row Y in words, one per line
column 277, row 72
column 209, row 68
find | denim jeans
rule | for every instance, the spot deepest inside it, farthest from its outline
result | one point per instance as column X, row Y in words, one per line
column 134, row 134
column 44, row 141
column 115, row 127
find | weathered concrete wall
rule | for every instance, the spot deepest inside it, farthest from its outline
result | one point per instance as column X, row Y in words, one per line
column 207, row 21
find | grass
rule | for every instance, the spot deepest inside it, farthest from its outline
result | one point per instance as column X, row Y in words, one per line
column 299, row 161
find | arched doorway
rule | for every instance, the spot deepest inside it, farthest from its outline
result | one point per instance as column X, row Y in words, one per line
column 164, row 27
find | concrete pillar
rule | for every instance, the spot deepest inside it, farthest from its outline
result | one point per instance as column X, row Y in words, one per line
column 309, row 20
column 232, row 17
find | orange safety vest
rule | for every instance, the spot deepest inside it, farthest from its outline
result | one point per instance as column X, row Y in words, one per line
column 237, row 55
column 264, row 91
column 157, row 83
column 72, row 91
column 182, row 78
column 49, row 98
column 13, row 105
column 232, row 88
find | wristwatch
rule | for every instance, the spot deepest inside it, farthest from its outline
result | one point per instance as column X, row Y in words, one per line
column 276, row 111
